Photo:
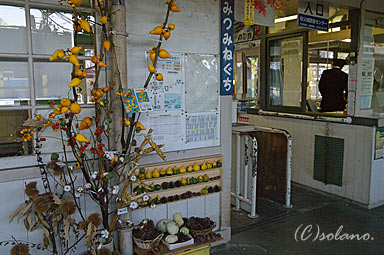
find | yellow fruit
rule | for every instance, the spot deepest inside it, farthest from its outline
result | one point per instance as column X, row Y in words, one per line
column 65, row 102
column 76, row 2
column 85, row 25
column 196, row 167
column 81, row 138
column 209, row 165
column 155, row 173
column 85, row 123
column 182, row 170
column 148, row 175
column 101, row 63
column 169, row 171
column 99, row 93
column 104, row 20
column 164, row 54
column 159, row 77
column 204, row 166
column 171, row 26
column 157, row 31
column 127, row 122
column 162, row 172
column 139, row 125
column 74, row 83
column 76, row 50
column 183, row 182
column 95, row 59
column 73, row 59
column 106, row 89
column 75, row 108
column 151, row 68
column 64, row 109
column 58, row 54
column 79, row 73
column 167, row 34
column 174, row 8
column 190, row 169
column 107, row 45
column 152, row 56
column 214, row 164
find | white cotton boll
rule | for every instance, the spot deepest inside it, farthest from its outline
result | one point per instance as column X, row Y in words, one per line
column 133, row 205
column 67, row 188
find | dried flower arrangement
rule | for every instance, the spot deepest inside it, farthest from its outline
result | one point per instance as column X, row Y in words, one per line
column 108, row 168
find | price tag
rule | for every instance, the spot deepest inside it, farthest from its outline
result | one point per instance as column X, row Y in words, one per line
column 122, row 211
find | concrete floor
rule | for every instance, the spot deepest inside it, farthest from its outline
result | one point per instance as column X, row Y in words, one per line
column 274, row 231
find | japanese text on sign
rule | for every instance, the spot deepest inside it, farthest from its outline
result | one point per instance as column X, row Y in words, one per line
column 226, row 58
column 313, row 15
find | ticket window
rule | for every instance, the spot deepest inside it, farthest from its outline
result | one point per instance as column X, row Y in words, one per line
column 286, row 74
column 247, row 76
column 373, row 60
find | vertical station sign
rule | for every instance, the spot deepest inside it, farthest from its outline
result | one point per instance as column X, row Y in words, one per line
column 313, row 15
column 226, row 47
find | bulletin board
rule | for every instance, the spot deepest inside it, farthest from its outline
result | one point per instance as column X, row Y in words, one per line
column 186, row 103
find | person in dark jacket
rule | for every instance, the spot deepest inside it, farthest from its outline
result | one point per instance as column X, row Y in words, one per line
column 333, row 87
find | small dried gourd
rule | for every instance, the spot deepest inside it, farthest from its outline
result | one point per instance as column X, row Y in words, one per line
column 172, row 228
column 162, row 225
column 184, row 230
column 171, row 239
column 178, row 219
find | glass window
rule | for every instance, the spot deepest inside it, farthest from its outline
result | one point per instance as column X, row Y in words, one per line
column 52, row 79
column 51, row 30
column 377, row 44
column 14, row 83
column 12, row 30
column 86, row 3
column 284, row 77
column 11, row 142
column 252, row 76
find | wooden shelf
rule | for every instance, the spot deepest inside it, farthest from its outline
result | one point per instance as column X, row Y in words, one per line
column 212, row 172
column 183, row 189
column 166, row 251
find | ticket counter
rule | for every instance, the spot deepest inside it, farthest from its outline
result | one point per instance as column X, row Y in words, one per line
column 335, row 152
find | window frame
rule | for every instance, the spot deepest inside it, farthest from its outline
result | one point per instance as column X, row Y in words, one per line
column 264, row 96
column 14, row 162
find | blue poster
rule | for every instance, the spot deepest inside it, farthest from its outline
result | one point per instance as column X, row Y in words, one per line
column 226, row 47
column 130, row 102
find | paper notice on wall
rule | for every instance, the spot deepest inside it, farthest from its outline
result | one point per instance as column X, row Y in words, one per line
column 379, row 143
column 366, row 83
column 202, row 128
column 167, row 94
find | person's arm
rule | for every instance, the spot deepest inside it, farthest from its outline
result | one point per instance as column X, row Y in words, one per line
column 346, row 88
column 322, row 82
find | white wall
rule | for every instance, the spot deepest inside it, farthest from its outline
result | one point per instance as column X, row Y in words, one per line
column 197, row 31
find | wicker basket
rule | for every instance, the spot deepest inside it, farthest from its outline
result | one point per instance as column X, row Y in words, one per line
column 148, row 244
column 196, row 233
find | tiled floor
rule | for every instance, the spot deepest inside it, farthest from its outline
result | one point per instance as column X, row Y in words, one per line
column 274, row 232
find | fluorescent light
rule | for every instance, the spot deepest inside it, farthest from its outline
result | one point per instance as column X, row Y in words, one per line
column 346, row 40
column 286, row 18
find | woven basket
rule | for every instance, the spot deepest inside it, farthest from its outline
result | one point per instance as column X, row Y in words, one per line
column 204, row 232
column 148, row 244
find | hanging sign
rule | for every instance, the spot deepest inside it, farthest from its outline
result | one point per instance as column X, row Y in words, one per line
column 226, row 56
column 249, row 13
column 313, row 15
